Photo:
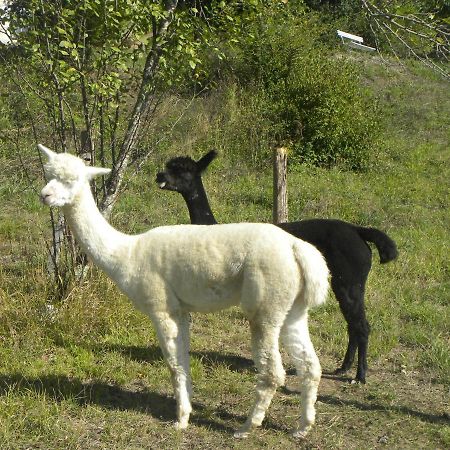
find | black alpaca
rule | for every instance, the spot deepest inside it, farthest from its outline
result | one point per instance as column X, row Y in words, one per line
column 343, row 245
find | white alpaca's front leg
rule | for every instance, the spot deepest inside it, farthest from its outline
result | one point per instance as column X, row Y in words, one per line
column 173, row 335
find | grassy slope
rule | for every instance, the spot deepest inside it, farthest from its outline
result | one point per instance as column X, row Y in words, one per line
column 92, row 375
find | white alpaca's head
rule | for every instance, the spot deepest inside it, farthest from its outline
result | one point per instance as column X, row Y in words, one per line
column 66, row 175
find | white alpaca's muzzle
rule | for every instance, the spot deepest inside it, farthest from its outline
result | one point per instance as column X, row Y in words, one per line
column 55, row 194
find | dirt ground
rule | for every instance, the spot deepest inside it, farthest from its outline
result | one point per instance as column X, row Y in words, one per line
column 396, row 409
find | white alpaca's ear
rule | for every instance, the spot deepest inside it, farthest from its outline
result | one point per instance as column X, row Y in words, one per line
column 46, row 151
column 93, row 172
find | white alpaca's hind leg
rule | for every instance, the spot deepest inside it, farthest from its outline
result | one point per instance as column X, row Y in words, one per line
column 271, row 374
column 295, row 337
column 173, row 335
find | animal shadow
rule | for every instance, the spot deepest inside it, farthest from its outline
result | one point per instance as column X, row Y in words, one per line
column 113, row 397
column 152, row 353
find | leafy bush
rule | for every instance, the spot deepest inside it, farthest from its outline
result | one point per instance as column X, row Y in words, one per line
column 294, row 92
column 346, row 15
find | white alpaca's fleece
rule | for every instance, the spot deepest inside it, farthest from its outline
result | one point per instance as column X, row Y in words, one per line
column 207, row 268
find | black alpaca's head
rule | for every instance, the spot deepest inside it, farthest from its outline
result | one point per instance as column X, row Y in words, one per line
column 183, row 172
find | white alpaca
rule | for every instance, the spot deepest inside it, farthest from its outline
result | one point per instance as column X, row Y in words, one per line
column 169, row 271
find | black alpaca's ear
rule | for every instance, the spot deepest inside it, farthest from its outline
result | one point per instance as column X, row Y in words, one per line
column 205, row 160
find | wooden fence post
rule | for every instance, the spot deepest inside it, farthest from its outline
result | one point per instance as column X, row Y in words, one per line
column 280, row 203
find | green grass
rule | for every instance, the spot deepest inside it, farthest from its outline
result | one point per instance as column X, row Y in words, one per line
column 86, row 372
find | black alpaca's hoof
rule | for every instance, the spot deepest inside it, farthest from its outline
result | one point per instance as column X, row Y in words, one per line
column 340, row 371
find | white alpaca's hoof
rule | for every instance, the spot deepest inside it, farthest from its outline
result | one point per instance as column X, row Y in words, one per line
column 244, row 431
column 301, row 432
column 181, row 425
column 241, row 434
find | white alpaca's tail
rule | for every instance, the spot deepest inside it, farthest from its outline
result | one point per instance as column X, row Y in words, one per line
column 314, row 271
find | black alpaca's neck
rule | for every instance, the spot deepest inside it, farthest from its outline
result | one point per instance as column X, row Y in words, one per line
column 197, row 202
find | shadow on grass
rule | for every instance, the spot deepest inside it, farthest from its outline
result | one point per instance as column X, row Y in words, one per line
column 425, row 417
column 331, row 375
column 60, row 388
column 240, row 364
column 162, row 407
column 152, row 353
column 108, row 396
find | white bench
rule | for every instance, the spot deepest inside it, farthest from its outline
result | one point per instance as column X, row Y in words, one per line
column 351, row 40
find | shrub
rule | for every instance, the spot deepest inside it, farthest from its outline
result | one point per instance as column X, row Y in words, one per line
column 293, row 91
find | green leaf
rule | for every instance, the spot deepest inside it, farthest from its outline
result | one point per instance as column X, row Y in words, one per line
column 61, row 31
column 65, row 44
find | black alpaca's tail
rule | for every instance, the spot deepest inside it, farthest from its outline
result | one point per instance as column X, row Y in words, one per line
column 386, row 247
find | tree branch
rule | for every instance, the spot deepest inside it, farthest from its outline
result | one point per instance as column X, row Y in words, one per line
column 413, row 34
column 142, row 103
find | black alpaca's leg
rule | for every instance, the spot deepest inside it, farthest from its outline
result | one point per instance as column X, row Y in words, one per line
column 350, row 353
column 360, row 327
column 351, row 303
column 341, row 293
column 363, row 342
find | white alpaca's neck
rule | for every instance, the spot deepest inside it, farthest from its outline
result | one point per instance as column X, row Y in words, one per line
column 108, row 248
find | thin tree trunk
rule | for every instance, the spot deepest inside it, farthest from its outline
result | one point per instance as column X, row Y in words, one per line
column 142, row 103
column 58, row 229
